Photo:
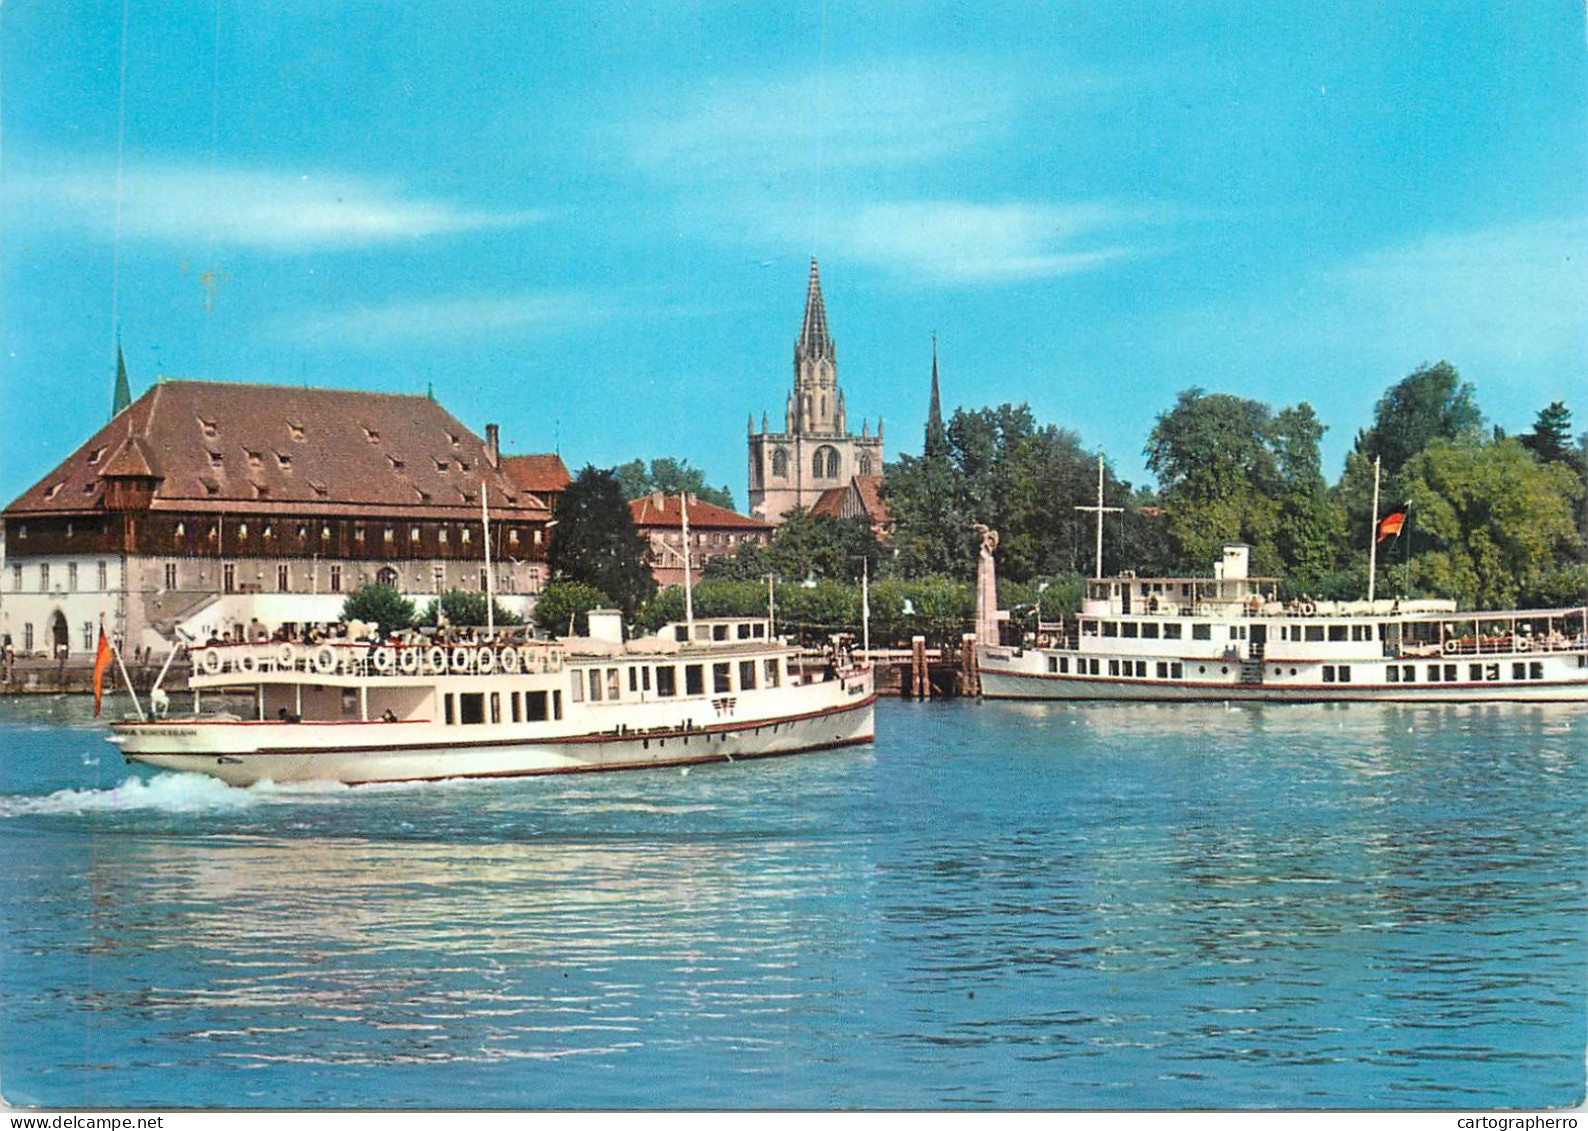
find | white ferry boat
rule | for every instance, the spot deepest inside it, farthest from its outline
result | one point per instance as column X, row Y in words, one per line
column 710, row 690
column 1229, row 637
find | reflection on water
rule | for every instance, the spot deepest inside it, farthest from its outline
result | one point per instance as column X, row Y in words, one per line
column 999, row 905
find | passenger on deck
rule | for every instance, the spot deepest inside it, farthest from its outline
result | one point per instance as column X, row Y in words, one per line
column 388, row 716
column 287, row 716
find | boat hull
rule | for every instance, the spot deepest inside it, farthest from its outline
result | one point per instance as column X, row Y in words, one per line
column 245, row 753
column 1006, row 684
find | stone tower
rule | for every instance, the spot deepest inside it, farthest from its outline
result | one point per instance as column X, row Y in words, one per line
column 815, row 451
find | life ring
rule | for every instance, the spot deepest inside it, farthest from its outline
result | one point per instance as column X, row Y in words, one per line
column 385, row 659
column 526, row 658
column 1204, row 609
column 436, row 659
column 508, row 660
column 485, row 660
column 325, row 659
column 210, row 661
column 1451, row 646
column 1308, row 608
column 460, row 659
column 1524, row 643
column 408, row 661
column 245, row 662
column 286, row 657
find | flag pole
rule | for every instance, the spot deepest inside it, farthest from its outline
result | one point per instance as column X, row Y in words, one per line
column 1372, row 537
column 116, row 652
column 490, row 582
column 689, row 581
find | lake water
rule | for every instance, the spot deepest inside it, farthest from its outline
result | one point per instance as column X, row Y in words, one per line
column 995, row 906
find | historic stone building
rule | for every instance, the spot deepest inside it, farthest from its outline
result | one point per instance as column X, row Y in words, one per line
column 207, row 505
column 815, row 451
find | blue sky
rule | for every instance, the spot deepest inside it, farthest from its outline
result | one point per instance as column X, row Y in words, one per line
column 592, row 222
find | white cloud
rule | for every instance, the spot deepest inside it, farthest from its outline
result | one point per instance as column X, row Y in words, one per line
column 376, row 327
column 271, row 211
column 948, row 241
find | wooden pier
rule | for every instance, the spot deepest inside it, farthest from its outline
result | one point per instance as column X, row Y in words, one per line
column 916, row 672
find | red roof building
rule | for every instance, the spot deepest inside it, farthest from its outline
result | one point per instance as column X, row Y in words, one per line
column 713, row 532
column 860, row 498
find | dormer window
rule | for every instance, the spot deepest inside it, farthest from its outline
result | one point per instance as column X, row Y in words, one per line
column 284, row 461
column 441, row 464
column 455, row 441
column 319, row 489
column 215, row 459
column 463, row 466
column 254, row 459
column 211, row 488
column 88, row 488
column 371, row 435
column 396, row 464
column 295, row 430
column 53, row 491
column 303, row 532
column 325, row 533
column 413, row 534
column 441, row 536
column 208, row 428
column 388, row 535
column 465, row 538
column 242, row 531
column 94, row 456
column 358, row 533
column 261, row 491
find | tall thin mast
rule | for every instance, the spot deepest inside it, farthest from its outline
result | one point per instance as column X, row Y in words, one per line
column 689, row 581
column 490, row 584
column 1100, row 510
column 1372, row 537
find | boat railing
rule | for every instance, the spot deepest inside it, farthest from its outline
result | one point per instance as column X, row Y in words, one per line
column 365, row 658
column 1503, row 644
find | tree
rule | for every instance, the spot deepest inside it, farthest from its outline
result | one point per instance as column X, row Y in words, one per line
column 379, row 604
column 1497, row 524
column 595, row 541
column 1550, row 439
column 1431, row 404
column 563, row 607
column 671, row 477
column 461, row 608
column 806, row 546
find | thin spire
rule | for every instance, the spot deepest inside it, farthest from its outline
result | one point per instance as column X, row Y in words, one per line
column 121, row 400
column 936, row 434
column 814, row 341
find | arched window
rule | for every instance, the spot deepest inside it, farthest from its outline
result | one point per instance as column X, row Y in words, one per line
column 780, row 464
column 832, row 463
column 386, row 576
column 824, row 464
column 865, row 465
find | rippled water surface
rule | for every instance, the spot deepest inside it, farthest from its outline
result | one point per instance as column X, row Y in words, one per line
column 997, row 905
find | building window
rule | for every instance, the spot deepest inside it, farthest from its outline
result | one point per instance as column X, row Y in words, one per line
column 865, row 465
column 229, row 578
column 388, row 535
column 27, row 637
column 283, row 579
column 71, row 576
column 413, row 534
column 358, row 533
column 102, row 576
column 780, row 464
column 170, row 575
column 484, row 580
column 336, row 578
column 44, row 578
column 387, row 576
column 16, row 578
column 438, row 578
column 441, row 536
column 88, row 636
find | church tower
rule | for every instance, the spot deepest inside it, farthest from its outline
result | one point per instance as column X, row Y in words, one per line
column 815, row 452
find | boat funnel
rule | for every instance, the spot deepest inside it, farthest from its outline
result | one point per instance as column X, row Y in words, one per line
column 606, row 625
column 1236, row 565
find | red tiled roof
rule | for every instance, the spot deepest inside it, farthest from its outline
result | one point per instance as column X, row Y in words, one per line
column 867, row 491
column 217, row 446
column 663, row 510
column 543, row 474
column 830, row 504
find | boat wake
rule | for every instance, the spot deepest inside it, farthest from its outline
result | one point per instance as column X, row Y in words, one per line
column 171, row 793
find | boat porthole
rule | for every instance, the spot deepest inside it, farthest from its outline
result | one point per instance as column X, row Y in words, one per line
column 1224, row 671
column 1292, row 671
column 1201, row 670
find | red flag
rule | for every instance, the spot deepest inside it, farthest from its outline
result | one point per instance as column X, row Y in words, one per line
column 101, row 662
column 1391, row 525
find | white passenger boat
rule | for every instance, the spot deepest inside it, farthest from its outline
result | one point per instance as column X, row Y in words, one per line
column 710, row 690
column 1230, row 637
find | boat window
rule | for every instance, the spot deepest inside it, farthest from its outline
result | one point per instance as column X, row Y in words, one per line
column 496, row 706
column 645, row 679
column 534, row 706
column 1535, row 669
column 614, row 681
column 1171, row 632
column 1392, row 674
column 634, row 677
column 770, row 670
column 1088, row 628
column 595, row 685
column 449, row 712
column 667, row 681
column 1518, row 671
column 694, row 679
column 1328, row 673
column 556, row 704
column 1176, row 670
column 1163, row 669
column 1113, row 667
column 1128, row 628
column 1345, row 673
column 1337, row 632
column 518, row 711
column 1110, row 628
column 1149, row 631
column 719, row 632
column 1053, row 665
column 721, row 679
column 1361, row 632
column 471, row 708
column 1201, row 632
column 1314, row 633
column 746, row 675
column 1141, row 669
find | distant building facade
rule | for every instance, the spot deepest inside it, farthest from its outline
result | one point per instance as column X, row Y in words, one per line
column 713, row 532
column 861, row 497
column 815, row 451
column 205, row 504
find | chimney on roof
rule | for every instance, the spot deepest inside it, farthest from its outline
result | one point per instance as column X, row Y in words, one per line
column 493, row 444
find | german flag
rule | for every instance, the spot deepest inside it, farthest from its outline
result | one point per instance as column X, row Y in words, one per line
column 101, row 662
column 1390, row 525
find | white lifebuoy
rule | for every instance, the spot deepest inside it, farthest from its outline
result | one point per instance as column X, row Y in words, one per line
column 408, row 661
column 1451, row 646
column 245, row 662
column 325, row 659
column 385, row 659
column 1524, row 643
column 286, row 657
column 526, row 657
column 210, row 661
column 508, row 660
column 485, row 660
column 460, row 659
column 1204, row 609
column 1308, row 608
column 436, row 660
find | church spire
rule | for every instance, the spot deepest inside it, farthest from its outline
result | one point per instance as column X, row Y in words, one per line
column 814, row 340
column 936, row 434
column 122, row 398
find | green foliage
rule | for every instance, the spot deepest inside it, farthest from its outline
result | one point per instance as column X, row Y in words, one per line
column 563, row 607
column 1550, row 439
column 806, row 546
column 1431, row 404
column 1495, row 522
column 379, row 604
column 595, row 541
column 671, row 477
column 461, row 608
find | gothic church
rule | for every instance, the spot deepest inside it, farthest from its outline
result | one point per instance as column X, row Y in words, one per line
column 815, row 452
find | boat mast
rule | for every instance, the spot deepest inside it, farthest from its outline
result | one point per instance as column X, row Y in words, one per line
column 1372, row 537
column 689, row 583
column 865, row 605
column 1100, row 510
column 490, row 585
